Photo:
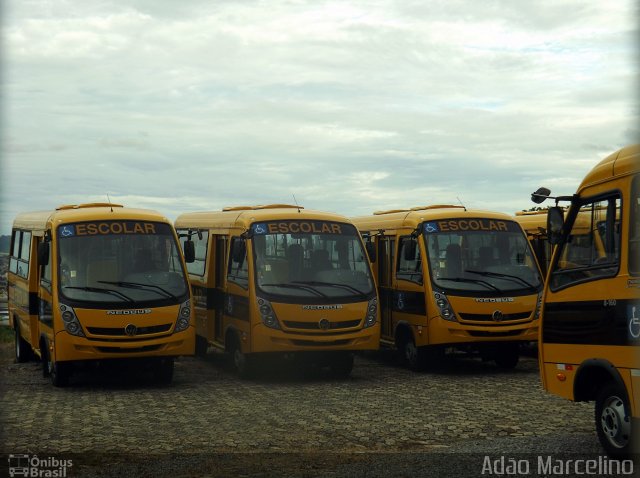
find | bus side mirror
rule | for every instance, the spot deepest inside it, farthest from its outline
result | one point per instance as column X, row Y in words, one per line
column 43, row 254
column 189, row 250
column 555, row 223
column 371, row 250
column 239, row 250
column 410, row 250
column 540, row 195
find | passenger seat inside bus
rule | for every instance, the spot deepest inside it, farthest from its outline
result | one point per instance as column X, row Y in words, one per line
column 103, row 270
column 274, row 272
column 320, row 260
column 485, row 257
column 453, row 261
column 295, row 255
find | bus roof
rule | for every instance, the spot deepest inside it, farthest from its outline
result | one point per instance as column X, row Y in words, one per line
column 620, row 163
column 40, row 220
column 241, row 217
column 411, row 218
column 533, row 222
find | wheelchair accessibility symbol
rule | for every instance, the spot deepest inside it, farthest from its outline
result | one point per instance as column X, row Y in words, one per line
column 431, row 227
column 259, row 229
column 634, row 323
column 67, row 231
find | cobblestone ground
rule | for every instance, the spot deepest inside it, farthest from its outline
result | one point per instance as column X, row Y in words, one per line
column 215, row 423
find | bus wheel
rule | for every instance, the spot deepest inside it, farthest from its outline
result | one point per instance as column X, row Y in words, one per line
column 44, row 358
column 341, row 364
column 507, row 357
column 242, row 363
column 613, row 421
column 414, row 356
column 164, row 371
column 58, row 372
column 22, row 348
column 201, row 346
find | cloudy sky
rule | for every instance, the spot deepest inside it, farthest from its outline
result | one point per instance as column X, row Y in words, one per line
column 351, row 106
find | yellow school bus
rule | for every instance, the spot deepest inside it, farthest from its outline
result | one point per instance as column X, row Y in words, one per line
column 534, row 224
column 448, row 277
column 590, row 330
column 280, row 279
column 94, row 282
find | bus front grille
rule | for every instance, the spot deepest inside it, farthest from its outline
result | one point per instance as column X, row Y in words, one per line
column 119, row 331
column 490, row 318
column 123, row 350
column 312, row 343
column 482, row 333
column 316, row 325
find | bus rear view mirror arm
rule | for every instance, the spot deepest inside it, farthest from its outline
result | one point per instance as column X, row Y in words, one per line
column 542, row 194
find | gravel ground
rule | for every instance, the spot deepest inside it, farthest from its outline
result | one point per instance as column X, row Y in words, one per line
column 382, row 421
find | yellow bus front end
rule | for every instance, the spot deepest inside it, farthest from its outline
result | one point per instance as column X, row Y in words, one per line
column 452, row 278
column 281, row 280
column 315, row 327
column 114, row 287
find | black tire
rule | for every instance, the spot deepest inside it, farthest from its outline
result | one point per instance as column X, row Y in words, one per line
column 23, row 350
column 202, row 344
column 414, row 357
column 613, row 420
column 58, row 372
column 44, row 358
column 341, row 364
column 507, row 357
column 242, row 363
column 164, row 371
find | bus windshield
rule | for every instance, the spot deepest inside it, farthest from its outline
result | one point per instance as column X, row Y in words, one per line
column 120, row 264
column 484, row 256
column 310, row 261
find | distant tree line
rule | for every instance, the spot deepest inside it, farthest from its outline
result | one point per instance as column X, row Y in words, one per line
column 536, row 208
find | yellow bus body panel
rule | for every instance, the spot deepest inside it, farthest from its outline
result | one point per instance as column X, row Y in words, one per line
column 560, row 362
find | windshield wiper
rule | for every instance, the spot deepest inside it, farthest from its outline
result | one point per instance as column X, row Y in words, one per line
column 502, row 276
column 330, row 284
column 98, row 289
column 139, row 285
column 296, row 286
column 475, row 281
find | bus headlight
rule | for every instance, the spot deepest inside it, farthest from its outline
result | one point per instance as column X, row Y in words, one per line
column 446, row 311
column 372, row 313
column 184, row 317
column 70, row 321
column 267, row 314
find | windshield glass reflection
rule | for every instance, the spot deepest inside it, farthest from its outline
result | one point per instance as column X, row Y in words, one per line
column 120, row 266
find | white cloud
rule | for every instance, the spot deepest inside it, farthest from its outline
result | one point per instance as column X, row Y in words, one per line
column 351, row 106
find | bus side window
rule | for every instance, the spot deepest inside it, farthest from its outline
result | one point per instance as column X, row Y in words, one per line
column 15, row 251
column 197, row 267
column 45, row 278
column 22, row 258
column 592, row 250
column 634, row 228
column 238, row 271
column 409, row 261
